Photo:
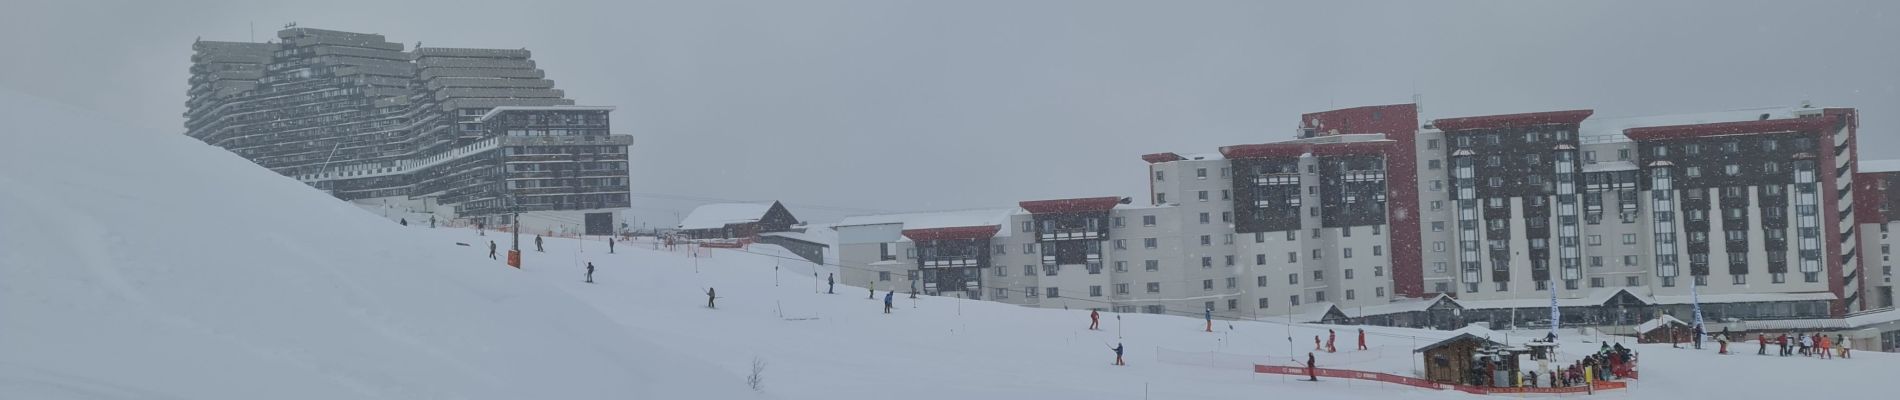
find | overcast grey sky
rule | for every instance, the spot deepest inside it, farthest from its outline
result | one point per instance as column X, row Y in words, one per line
column 841, row 107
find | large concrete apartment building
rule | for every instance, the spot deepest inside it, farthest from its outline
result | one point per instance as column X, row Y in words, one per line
column 1371, row 212
column 459, row 133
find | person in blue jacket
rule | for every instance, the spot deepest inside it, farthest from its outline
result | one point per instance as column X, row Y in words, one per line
column 1118, row 354
column 887, row 301
column 1210, row 319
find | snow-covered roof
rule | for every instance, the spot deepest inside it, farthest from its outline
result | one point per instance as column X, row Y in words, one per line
column 937, row 219
column 1879, row 166
column 1742, row 298
column 1395, row 307
column 1313, row 312
column 1605, row 166
column 1652, row 324
column 799, row 236
column 1595, row 298
column 717, row 215
column 1604, row 130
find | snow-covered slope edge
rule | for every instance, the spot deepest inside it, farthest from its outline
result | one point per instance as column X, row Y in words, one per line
column 140, row 264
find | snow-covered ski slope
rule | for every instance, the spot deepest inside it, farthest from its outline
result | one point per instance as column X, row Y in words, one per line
column 139, row 264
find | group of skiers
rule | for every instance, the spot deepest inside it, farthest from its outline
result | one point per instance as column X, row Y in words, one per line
column 1807, row 345
column 1330, row 336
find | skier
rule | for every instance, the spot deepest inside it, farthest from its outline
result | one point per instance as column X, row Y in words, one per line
column 403, row 221
column 887, row 301
column 1698, row 336
column 590, row 272
column 1782, row 342
column 1806, row 341
column 913, row 289
column 872, row 288
column 1362, row 343
column 709, row 298
column 481, row 228
column 1723, row 341
column 431, row 222
column 1312, row 372
column 1761, row 339
column 537, row 243
column 610, row 245
column 1316, row 343
column 1209, row 313
column 1846, row 343
column 1826, row 346
column 1329, row 341
column 831, row 283
column 491, row 249
column 1118, row 354
column 1095, row 320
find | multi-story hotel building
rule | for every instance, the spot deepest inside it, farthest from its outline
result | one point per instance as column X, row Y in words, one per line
column 1750, row 214
column 474, row 134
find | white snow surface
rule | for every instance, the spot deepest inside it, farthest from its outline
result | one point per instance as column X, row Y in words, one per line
column 717, row 215
column 141, row 265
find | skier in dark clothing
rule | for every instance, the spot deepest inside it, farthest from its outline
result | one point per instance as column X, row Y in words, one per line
column 831, row 284
column 481, row 228
column 1312, row 369
column 887, row 301
column 1698, row 336
column 1095, row 320
column 709, row 298
column 610, row 245
column 590, row 272
column 403, row 221
column 1118, row 354
column 537, row 243
column 491, row 249
column 432, row 222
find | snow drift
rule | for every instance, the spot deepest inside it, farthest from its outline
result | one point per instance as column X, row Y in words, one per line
column 139, row 264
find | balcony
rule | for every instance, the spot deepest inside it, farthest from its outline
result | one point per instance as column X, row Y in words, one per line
column 1071, row 234
column 950, row 261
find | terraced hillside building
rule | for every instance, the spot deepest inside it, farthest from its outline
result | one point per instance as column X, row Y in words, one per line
column 457, row 133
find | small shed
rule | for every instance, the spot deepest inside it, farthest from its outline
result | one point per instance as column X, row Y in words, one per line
column 1451, row 360
column 1658, row 330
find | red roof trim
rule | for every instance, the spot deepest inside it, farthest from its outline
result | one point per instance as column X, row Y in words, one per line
column 1090, row 204
column 1268, row 150
column 1354, row 148
column 961, row 232
column 1512, row 120
column 1730, row 128
column 1158, row 158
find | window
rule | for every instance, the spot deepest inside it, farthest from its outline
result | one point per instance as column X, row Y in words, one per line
column 1201, row 195
column 1495, row 181
column 1347, row 252
column 1200, row 173
column 1029, row 270
column 1001, row 271
column 1349, row 294
column 1595, row 240
column 1121, row 266
column 1154, row 287
column 1151, row 265
column 1438, row 226
column 1596, row 261
column 1438, row 246
column 1739, row 279
column 1378, row 250
column 1293, row 279
column 1029, row 226
column 1441, row 287
column 1263, row 302
column 1147, row 220
column 1207, row 240
column 1207, row 262
column 1590, row 157
column 999, row 249
column 884, row 276
column 1494, row 161
column 1293, row 300
column 1692, row 149
column 1701, row 280
column 910, row 253
column 1429, row 144
column 1692, row 171
column 1319, row 276
column 1207, row 284
column 1053, row 293
column 1319, row 296
column 1349, row 273
column 1118, row 222
column 1732, row 169
column 1224, row 172
column 1438, row 185
column 1029, row 248
column 1094, row 291
column 1503, row 286
column 1632, row 281
column 1233, row 304
column 1226, row 216
column 1204, row 218
column 1438, row 267
column 1161, row 198
column 1623, row 154
column 1438, row 205
column 1292, row 257
column 1316, row 254
column 1049, row 270
column 1121, row 244
column 1669, row 281
column 999, row 294
column 1150, row 243
column 1230, row 260
column 1291, row 236
column 1629, row 261
column 1434, row 164
column 1629, row 238
column 1233, row 282
column 1161, row 175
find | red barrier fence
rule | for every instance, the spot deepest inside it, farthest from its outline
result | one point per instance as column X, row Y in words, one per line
column 1427, row 384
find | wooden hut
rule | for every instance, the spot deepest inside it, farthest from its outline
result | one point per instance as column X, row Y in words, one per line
column 1658, row 330
column 1451, row 360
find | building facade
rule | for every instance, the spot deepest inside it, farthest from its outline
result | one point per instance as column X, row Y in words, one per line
column 472, row 134
column 1754, row 214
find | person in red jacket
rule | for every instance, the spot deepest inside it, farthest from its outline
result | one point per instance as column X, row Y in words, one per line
column 1095, row 320
column 1362, row 338
column 1763, row 340
column 1329, row 341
